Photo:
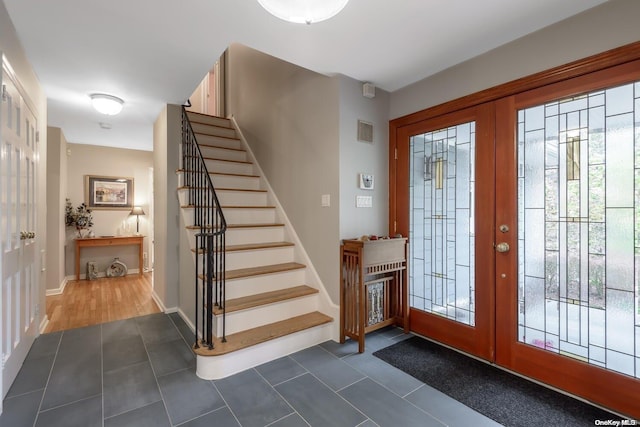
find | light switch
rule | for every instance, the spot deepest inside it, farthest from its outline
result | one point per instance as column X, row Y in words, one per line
column 326, row 200
column 364, row 202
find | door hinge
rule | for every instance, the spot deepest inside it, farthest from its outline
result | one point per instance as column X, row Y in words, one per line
column 395, row 226
column 37, row 136
column 396, row 153
column 4, row 93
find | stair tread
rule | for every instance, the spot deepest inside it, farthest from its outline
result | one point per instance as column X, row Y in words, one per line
column 217, row 159
column 218, row 190
column 247, row 207
column 241, row 189
column 259, row 225
column 263, row 269
column 196, row 113
column 221, row 148
column 197, row 227
column 265, row 298
column 252, row 246
column 235, row 174
column 251, row 337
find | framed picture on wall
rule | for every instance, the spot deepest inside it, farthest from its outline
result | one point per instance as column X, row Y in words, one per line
column 108, row 192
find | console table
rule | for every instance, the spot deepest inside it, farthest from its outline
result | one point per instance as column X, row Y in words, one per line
column 373, row 293
column 109, row 241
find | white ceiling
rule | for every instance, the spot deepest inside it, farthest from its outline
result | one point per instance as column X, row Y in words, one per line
column 154, row 52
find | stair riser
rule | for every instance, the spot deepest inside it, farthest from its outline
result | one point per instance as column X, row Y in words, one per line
column 243, row 236
column 241, row 182
column 242, row 198
column 214, row 368
column 259, row 257
column 229, row 167
column 212, row 120
column 250, row 216
column 221, row 153
column 219, row 141
column 265, row 283
column 214, row 130
column 246, row 319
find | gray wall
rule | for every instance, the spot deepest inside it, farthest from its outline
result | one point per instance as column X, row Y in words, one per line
column 361, row 157
column 166, row 148
column 604, row 27
column 290, row 118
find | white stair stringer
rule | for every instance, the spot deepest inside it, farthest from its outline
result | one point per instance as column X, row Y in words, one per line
column 255, row 217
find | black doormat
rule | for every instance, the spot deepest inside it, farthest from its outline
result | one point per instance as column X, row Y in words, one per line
column 499, row 395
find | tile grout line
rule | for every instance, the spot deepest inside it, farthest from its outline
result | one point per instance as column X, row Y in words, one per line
column 281, row 397
column 44, row 391
column 155, row 377
column 327, row 385
column 225, row 402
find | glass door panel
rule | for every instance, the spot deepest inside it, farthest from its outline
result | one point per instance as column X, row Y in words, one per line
column 579, row 227
column 448, row 216
column 442, row 241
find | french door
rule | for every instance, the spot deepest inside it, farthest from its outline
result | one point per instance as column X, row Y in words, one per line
column 449, row 192
column 523, row 216
column 18, row 245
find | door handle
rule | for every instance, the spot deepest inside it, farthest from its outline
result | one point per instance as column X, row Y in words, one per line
column 502, row 247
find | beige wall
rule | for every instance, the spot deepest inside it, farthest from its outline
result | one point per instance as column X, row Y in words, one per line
column 166, row 153
column 56, row 194
column 289, row 116
column 604, row 27
column 85, row 160
column 11, row 48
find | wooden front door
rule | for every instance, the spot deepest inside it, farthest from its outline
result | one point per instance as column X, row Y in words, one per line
column 523, row 217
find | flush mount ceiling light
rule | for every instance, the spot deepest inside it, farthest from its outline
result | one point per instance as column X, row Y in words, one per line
column 106, row 104
column 303, row 11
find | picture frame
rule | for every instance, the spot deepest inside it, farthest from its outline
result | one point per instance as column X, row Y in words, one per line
column 108, row 192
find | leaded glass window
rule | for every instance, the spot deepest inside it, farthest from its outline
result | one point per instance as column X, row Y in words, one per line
column 441, row 246
column 579, row 227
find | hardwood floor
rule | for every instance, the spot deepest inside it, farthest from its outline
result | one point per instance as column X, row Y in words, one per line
column 90, row 302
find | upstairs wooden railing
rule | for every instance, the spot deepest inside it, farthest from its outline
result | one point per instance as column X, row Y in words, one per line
column 210, row 237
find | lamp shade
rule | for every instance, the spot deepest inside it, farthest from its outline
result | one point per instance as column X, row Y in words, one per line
column 303, row 11
column 106, row 104
column 137, row 210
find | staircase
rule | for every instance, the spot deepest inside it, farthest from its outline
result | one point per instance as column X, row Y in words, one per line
column 275, row 303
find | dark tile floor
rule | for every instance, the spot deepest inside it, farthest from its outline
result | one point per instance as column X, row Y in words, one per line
column 140, row 372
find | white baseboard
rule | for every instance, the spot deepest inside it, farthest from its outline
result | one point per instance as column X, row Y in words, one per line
column 187, row 321
column 161, row 305
column 59, row 289
column 43, row 324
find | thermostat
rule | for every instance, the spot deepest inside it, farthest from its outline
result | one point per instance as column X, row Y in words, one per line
column 366, row 181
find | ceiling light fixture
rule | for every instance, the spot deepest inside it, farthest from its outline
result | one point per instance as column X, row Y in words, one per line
column 303, row 11
column 106, row 104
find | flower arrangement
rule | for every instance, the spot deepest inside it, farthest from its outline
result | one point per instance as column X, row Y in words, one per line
column 81, row 218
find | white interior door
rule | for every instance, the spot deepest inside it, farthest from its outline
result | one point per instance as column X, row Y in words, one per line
column 18, row 247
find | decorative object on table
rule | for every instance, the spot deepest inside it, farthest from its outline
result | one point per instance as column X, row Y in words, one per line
column 92, row 270
column 375, row 299
column 81, row 218
column 117, row 268
column 137, row 211
column 108, row 192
